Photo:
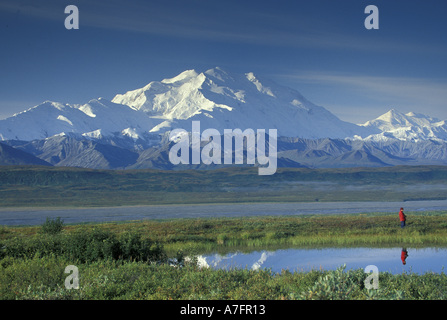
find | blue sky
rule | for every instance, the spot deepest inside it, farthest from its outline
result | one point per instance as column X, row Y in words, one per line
column 320, row 48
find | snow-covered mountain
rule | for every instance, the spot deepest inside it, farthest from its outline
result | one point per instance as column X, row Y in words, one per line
column 216, row 98
column 97, row 118
column 221, row 101
column 131, row 130
column 411, row 126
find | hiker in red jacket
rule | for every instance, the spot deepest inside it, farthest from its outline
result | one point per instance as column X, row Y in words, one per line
column 402, row 217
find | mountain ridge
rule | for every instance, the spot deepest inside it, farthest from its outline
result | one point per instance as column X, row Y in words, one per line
column 131, row 130
column 218, row 100
column 221, row 100
column 409, row 126
column 13, row 156
column 214, row 97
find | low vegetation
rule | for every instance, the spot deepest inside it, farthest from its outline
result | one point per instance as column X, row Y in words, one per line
column 223, row 234
column 43, row 278
column 28, row 186
column 146, row 259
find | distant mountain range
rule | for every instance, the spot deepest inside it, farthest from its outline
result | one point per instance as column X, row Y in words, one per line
column 411, row 126
column 131, row 131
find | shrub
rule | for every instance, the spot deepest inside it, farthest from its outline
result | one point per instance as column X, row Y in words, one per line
column 18, row 276
column 340, row 285
column 53, row 226
column 335, row 285
column 91, row 246
column 133, row 247
column 85, row 246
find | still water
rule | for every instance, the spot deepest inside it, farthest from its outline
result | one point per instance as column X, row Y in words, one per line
column 394, row 260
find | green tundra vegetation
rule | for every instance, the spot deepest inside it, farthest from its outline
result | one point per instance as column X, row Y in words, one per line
column 147, row 259
column 34, row 186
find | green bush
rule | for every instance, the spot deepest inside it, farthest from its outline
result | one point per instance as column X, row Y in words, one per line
column 349, row 285
column 334, row 285
column 85, row 246
column 53, row 226
column 88, row 246
column 20, row 276
column 40, row 245
column 134, row 247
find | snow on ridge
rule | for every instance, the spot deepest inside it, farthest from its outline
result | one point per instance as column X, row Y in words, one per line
column 217, row 99
column 62, row 118
column 185, row 75
column 410, row 126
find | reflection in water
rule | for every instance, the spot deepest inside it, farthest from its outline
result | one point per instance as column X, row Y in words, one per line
column 403, row 256
column 258, row 264
column 422, row 259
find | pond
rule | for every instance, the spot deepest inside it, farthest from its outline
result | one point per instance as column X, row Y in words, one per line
column 394, row 260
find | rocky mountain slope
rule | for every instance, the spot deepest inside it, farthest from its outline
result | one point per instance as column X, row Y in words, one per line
column 131, row 131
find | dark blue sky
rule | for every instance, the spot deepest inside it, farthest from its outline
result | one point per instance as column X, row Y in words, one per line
column 320, row 48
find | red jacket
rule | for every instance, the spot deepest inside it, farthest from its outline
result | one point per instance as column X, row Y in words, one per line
column 404, row 256
column 402, row 215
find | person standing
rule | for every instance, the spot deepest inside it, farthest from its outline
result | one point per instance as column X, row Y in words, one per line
column 402, row 217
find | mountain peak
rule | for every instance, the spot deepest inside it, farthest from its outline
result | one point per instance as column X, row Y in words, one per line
column 218, row 73
column 398, row 119
column 223, row 100
column 391, row 116
column 182, row 77
column 392, row 113
column 215, row 97
column 409, row 126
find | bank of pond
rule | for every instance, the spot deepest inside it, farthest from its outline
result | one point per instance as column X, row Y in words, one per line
column 312, row 257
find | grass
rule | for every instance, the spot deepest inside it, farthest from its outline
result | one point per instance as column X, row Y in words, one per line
column 42, row 278
column 132, row 260
column 33, row 259
column 220, row 234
